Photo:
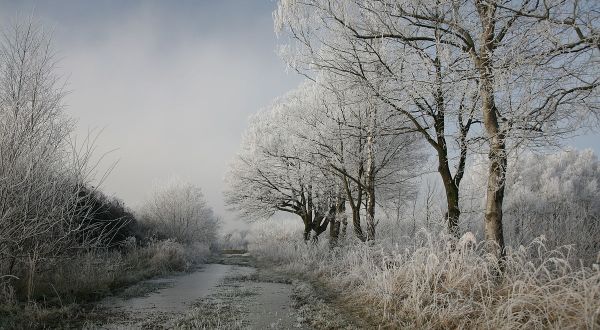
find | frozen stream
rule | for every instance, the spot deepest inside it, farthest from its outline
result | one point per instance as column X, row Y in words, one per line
column 263, row 304
column 179, row 292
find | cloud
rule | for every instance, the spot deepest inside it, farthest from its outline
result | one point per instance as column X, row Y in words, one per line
column 171, row 86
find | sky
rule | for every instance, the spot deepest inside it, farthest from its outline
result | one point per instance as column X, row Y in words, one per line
column 170, row 84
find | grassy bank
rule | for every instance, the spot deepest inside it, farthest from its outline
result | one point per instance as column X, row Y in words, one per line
column 424, row 283
column 64, row 291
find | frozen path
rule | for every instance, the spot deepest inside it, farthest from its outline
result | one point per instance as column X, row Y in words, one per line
column 226, row 296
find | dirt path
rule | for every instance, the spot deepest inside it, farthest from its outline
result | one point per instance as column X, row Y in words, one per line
column 224, row 294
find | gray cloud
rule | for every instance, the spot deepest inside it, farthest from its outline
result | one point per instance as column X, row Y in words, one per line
column 171, row 84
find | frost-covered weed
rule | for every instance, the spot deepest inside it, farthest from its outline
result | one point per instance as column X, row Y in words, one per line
column 168, row 254
column 91, row 275
column 431, row 283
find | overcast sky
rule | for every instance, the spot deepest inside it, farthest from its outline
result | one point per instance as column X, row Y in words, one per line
column 172, row 83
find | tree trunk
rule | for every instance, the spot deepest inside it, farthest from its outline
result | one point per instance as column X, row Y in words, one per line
column 371, row 215
column 497, row 153
column 337, row 220
column 370, row 175
column 334, row 232
column 321, row 222
column 355, row 206
column 453, row 212
column 450, row 185
column 307, row 228
column 495, row 197
column 344, row 224
column 356, row 224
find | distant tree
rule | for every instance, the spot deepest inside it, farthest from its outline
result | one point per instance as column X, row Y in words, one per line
column 558, row 196
column 363, row 144
column 179, row 210
column 313, row 152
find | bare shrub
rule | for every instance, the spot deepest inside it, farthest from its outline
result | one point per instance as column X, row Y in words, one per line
column 44, row 174
column 179, row 210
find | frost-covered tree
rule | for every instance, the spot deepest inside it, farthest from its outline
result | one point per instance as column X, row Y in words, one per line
column 44, row 174
column 530, row 68
column 421, row 80
column 319, row 150
column 275, row 171
column 362, row 143
column 179, row 210
column 552, row 195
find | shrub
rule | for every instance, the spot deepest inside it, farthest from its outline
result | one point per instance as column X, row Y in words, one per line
column 179, row 211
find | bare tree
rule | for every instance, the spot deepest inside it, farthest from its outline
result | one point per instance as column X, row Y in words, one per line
column 316, row 151
column 532, row 64
column 419, row 79
column 43, row 175
column 275, row 172
column 179, row 210
column 358, row 142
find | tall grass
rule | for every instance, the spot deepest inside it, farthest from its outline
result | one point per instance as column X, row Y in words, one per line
column 430, row 282
column 90, row 276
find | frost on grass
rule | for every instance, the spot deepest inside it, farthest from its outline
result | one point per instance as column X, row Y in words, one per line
column 316, row 312
column 429, row 284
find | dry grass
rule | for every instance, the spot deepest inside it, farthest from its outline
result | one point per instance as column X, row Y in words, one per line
column 427, row 284
column 88, row 277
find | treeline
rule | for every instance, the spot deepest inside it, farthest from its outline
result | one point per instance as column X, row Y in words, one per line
column 61, row 239
column 390, row 82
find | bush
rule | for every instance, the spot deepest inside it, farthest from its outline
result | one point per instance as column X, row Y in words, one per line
column 234, row 240
column 179, row 211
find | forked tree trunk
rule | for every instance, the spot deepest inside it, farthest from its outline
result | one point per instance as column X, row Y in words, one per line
column 355, row 207
column 450, row 184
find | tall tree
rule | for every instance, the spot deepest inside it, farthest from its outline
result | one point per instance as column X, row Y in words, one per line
column 315, row 151
column 417, row 78
column 44, row 202
column 532, row 64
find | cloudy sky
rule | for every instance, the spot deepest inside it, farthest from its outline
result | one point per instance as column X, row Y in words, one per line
column 171, row 83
